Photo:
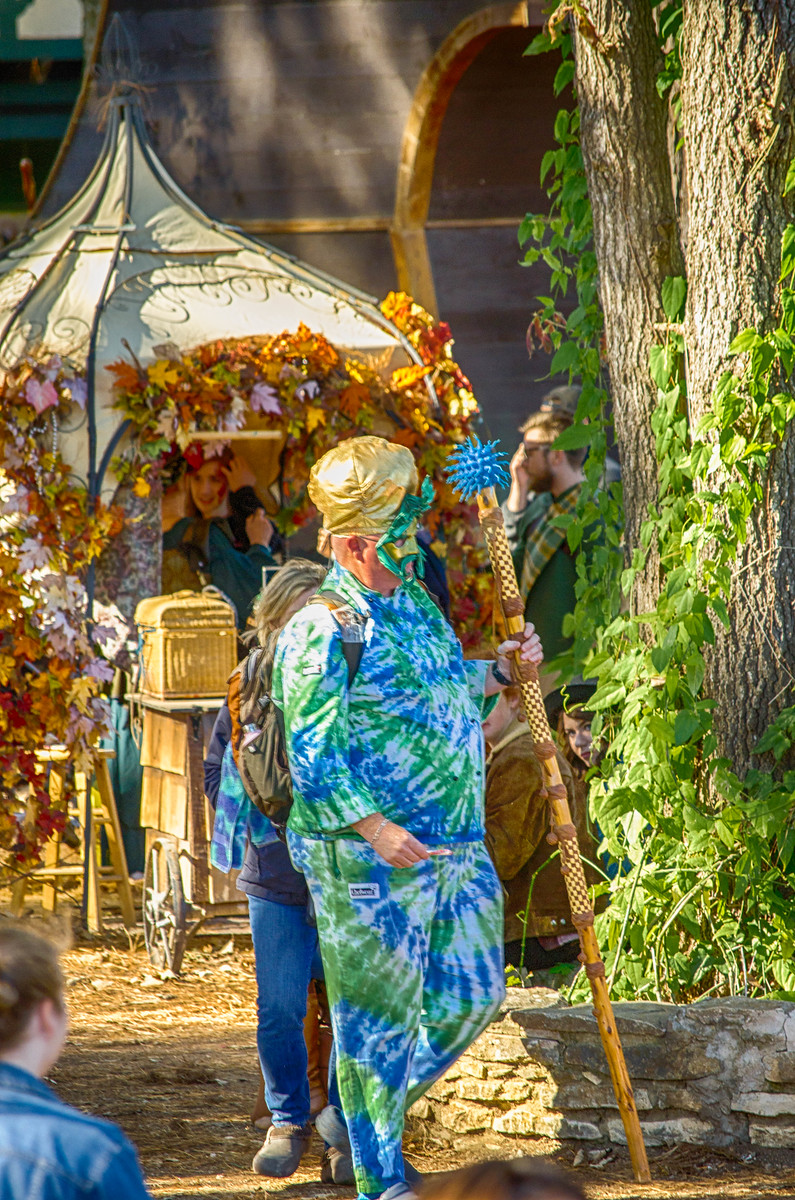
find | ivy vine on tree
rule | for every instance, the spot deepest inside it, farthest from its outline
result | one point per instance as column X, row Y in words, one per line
column 703, row 900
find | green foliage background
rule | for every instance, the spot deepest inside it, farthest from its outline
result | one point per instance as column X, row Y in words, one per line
column 704, row 902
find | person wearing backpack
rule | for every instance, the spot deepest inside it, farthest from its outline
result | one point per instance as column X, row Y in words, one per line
column 387, row 815
column 286, row 955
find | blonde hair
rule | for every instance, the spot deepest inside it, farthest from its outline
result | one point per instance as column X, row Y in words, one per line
column 549, row 426
column 272, row 609
column 29, row 974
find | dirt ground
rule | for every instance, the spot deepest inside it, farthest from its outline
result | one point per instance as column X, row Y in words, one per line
column 172, row 1060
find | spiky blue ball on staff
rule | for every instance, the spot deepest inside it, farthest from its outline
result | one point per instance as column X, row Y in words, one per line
column 476, row 470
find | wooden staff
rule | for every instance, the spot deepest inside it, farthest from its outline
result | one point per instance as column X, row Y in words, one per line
column 476, row 464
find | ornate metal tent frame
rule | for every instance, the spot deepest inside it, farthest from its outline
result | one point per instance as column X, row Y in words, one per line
column 131, row 262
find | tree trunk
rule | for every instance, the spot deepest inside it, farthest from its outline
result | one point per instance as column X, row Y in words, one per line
column 623, row 134
column 738, row 91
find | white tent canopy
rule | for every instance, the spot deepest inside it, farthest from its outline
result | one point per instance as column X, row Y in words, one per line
column 131, row 263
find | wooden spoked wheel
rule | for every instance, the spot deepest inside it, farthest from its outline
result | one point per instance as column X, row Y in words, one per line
column 165, row 912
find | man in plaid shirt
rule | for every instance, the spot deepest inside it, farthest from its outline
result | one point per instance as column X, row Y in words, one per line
column 545, row 484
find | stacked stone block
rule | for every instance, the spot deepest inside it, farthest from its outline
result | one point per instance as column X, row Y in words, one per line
column 715, row 1073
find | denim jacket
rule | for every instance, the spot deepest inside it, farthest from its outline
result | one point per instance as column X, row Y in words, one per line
column 51, row 1151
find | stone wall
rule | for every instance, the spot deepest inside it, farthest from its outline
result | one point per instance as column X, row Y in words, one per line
column 714, row 1073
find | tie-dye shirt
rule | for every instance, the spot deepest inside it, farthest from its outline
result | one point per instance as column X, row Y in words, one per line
column 405, row 739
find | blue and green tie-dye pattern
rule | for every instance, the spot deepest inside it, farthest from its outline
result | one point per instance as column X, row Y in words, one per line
column 405, row 740
column 236, row 820
column 414, row 971
column 413, row 957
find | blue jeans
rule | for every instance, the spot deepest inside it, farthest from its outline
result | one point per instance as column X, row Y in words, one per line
column 286, row 957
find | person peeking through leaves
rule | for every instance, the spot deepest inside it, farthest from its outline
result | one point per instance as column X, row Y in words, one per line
column 216, row 530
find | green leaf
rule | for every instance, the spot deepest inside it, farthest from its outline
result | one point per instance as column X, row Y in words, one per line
column 574, row 438
column 720, row 610
column 745, row 341
column 685, row 725
column 562, row 125
column 540, row 44
column 547, row 162
column 788, row 251
column 674, row 294
column 661, row 365
column 789, row 183
column 563, row 76
column 565, row 357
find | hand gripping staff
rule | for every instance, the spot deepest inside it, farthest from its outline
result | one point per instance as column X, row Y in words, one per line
column 476, row 470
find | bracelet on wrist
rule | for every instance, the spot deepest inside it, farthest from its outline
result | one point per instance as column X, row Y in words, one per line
column 379, row 831
column 498, row 675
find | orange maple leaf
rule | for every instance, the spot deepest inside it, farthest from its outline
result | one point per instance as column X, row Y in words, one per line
column 352, row 398
column 406, row 437
column 127, row 378
column 26, row 647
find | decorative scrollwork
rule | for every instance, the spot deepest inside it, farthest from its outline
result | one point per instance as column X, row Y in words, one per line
column 171, row 293
column 14, row 286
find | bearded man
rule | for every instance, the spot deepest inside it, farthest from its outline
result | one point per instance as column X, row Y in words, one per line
column 545, row 484
column 387, row 821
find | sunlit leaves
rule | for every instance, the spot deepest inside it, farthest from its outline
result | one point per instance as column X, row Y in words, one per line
column 704, row 890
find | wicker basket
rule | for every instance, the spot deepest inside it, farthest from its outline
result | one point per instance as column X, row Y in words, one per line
column 188, row 645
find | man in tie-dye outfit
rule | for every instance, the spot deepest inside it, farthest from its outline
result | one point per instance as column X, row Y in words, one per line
column 387, row 819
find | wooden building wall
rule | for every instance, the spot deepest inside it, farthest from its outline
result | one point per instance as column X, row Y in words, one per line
column 288, row 118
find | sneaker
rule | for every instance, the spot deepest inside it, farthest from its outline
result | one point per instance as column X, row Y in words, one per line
column 330, row 1124
column 336, row 1167
column 398, row 1191
column 282, row 1150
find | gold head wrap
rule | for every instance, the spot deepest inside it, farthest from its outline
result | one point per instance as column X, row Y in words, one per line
column 359, row 486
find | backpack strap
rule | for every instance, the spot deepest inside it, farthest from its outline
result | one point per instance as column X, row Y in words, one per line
column 251, row 686
column 351, row 625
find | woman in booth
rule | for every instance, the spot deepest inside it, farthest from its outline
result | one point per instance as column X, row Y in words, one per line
column 216, row 529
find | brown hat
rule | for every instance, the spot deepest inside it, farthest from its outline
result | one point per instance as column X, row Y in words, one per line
column 561, row 399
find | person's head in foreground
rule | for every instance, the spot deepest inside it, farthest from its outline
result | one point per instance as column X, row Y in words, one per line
column 33, row 1020
column 47, row 1148
column 367, row 490
column 516, row 1179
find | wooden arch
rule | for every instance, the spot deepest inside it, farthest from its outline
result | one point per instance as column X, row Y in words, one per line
column 421, row 138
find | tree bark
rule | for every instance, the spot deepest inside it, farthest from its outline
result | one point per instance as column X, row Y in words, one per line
column 738, row 92
column 623, row 125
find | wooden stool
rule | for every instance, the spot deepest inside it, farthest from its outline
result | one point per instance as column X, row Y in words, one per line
column 96, row 811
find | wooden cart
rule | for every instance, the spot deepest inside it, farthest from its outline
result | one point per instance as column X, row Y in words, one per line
column 183, row 894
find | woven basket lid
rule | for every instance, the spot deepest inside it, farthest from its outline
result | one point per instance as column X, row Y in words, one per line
column 185, row 610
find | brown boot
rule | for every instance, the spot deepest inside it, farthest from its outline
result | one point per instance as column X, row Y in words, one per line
column 317, row 1081
column 261, row 1116
column 326, row 1037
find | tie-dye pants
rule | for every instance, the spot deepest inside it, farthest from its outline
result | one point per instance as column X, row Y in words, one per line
column 413, row 960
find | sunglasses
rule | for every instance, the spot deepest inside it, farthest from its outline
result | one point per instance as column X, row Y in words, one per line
column 528, row 450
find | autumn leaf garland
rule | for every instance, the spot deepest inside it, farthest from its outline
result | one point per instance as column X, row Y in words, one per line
column 52, row 670
column 300, row 383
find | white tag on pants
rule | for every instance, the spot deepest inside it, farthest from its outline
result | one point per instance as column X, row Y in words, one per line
column 364, row 891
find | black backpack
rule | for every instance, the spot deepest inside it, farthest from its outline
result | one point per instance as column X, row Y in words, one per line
column 262, row 754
